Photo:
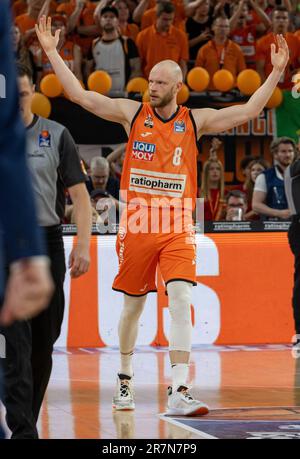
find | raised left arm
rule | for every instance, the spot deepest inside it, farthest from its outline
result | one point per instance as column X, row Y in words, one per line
column 213, row 121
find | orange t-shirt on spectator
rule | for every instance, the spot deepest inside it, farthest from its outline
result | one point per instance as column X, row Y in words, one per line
column 297, row 34
column 214, row 207
column 86, row 19
column 216, row 57
column 149, row 17
column 152, row 3
column 19, row 7
column 67, row 54
column 245, row 37
column 87, row 15
column 263, row 51
column 255, row 19
column 66, row 7
column 53, row 7
column 25, row 22
column 130, row 31
column 154, row 47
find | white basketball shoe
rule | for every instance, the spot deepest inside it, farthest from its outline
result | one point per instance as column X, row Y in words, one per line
column 124, row 397
column 182, row 403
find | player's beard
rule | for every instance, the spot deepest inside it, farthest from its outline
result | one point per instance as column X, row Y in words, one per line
column 163, row 101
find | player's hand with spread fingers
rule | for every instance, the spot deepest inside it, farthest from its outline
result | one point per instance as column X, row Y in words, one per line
column 47, row 40
column 280, row 57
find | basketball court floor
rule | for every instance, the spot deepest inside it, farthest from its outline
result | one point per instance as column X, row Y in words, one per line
column 253, row 392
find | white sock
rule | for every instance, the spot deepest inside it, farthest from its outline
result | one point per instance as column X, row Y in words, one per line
column 126, row 364
column 179, row 375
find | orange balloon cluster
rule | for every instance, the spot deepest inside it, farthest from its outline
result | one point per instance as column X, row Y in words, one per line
column 137, row 84
column 198, row 79
column 51, row 86
column 41, row 105
column 100, row 81
column 223, row 80
column 248, row 81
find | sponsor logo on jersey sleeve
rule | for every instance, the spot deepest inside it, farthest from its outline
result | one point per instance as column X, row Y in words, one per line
column 143, row 151
column 45, row 139
column 179, row 126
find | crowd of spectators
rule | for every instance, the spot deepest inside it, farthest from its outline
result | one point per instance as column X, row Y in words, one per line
column 126, row 38
column 260, row 196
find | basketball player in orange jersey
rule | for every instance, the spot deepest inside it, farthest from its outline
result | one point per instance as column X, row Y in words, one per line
column 160, row 162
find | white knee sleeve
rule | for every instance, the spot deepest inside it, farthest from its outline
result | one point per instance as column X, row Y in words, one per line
column 180, row 295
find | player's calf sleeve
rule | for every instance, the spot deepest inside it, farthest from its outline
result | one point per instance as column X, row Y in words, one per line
column 180, row 294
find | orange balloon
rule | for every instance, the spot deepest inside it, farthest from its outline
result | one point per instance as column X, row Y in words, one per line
column 100, row 81
column 41, row 105
column 146, row 96
column 223, row 80
column 183, row 95
column 198, row 79
column 248, row 81
column 276, row 99
column 138, row 84
column 51, row 86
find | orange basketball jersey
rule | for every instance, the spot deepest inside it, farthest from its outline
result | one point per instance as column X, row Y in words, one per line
column 161, row 157
column 66, row 52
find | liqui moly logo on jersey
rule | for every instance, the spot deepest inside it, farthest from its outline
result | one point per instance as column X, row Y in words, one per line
column 143, row 151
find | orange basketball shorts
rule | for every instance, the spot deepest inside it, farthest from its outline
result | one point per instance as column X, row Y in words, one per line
column 139, row 255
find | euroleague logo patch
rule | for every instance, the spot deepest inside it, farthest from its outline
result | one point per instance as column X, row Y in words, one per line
column 143, row 151
column 179, row 126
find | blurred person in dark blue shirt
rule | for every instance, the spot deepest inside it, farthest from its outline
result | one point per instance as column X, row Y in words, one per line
column 29, row 285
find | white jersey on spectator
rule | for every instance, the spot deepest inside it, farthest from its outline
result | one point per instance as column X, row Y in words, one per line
column 110, row 57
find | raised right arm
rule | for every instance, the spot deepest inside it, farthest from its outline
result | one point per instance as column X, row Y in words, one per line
column 118, row 110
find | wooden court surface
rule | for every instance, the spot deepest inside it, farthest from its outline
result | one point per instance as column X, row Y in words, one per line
column 238, row 383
